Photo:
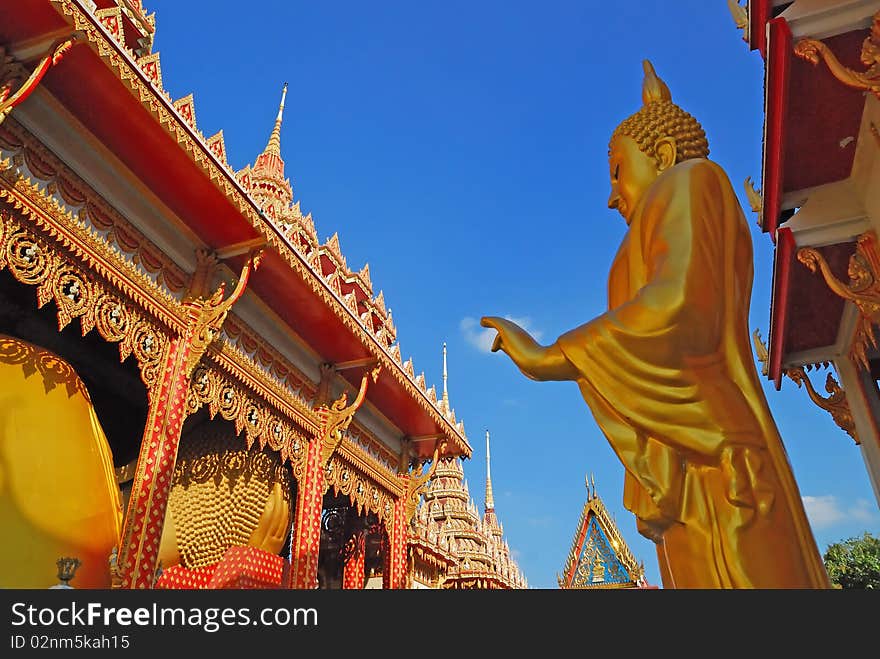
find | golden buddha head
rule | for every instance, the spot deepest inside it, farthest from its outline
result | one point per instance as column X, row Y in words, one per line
column 650, row 141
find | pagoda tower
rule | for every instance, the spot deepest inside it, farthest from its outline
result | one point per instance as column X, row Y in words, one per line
column 458, row 548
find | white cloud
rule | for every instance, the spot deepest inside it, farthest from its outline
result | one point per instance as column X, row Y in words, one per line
column 482, row 337
column 823, row 511
column 826, row 511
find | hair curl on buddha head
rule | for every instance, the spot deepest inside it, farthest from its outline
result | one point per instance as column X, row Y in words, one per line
column 660, row 117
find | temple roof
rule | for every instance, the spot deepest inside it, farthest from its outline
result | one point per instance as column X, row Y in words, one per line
column 599, row 556
column 112, row 66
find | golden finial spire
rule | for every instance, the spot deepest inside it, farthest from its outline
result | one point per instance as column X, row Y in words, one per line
column 445, row 393
column 490, row 500
column 653, row 88
column 274, row 145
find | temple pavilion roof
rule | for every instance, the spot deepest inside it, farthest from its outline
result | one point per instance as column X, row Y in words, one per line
column 599, row 556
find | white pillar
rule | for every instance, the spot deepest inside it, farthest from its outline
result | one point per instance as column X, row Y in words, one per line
column 864, row 404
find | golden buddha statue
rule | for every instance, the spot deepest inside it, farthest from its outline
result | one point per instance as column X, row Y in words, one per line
column 668, row 372
column 223, row 495
column 59, row 502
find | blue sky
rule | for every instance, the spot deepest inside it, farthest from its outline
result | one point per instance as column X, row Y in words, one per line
column 460, row 149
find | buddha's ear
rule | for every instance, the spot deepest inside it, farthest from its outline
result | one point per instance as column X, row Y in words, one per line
column 666, row 152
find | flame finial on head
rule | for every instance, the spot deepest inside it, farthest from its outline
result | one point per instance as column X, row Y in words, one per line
column 653, row 88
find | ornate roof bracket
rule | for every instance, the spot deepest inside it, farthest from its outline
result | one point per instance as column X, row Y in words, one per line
column 756, row 199
column 206, row 313
column 836, row 404
column 417, row 482
column 740, row 16
column 863, row 289
column 336, row 417
column 12, row 72
column 869, row 80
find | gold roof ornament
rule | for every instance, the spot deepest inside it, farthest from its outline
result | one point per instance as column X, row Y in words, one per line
column 490, row 500
column 274, row 145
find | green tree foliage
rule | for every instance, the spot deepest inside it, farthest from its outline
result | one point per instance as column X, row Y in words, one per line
column 854, row 563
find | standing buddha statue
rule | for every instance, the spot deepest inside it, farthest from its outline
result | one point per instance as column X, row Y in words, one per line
column 668, row 373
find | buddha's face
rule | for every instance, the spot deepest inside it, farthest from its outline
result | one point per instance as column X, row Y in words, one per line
column 632, row 171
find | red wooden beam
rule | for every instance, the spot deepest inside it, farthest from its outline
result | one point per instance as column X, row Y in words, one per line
column 783, row 258
column 759, row 14
column 778, row 69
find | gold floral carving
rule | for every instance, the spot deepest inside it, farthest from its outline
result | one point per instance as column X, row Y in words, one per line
column 355, row 480
column 71, row 192
column 863, row 289
column 32, row 261
column 12, row 73
column 868, row 80
column 260, row 423
column 60, row 225
column 336, row 417
column 836, row 404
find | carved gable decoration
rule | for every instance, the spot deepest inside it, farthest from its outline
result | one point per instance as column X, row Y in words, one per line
column 186, row 109
column 217, row 146
column 599, row 557
column 111, row 19
column 150, row 66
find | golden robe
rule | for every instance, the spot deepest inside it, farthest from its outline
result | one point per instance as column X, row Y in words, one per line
column 669, row 375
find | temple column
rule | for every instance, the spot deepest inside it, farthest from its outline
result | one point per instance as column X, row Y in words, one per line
column 395, row 561
column 137, row 555
column 864, row 405
column 306, row 541
column 353, row 566
column 335, row 419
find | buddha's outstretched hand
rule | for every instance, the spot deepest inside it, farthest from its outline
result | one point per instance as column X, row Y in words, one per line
column 513, row 340
column 535, row 361
column 274, row 523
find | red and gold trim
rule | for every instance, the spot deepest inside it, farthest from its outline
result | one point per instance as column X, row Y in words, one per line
column 353, row 566
column 145, row 518
column 395, row 572
column 307, row 521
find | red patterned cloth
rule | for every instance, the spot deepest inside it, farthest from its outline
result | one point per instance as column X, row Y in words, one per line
column 244, row 568
column 248, row 568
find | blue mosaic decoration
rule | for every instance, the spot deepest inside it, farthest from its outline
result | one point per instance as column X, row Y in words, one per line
column 598, row 563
